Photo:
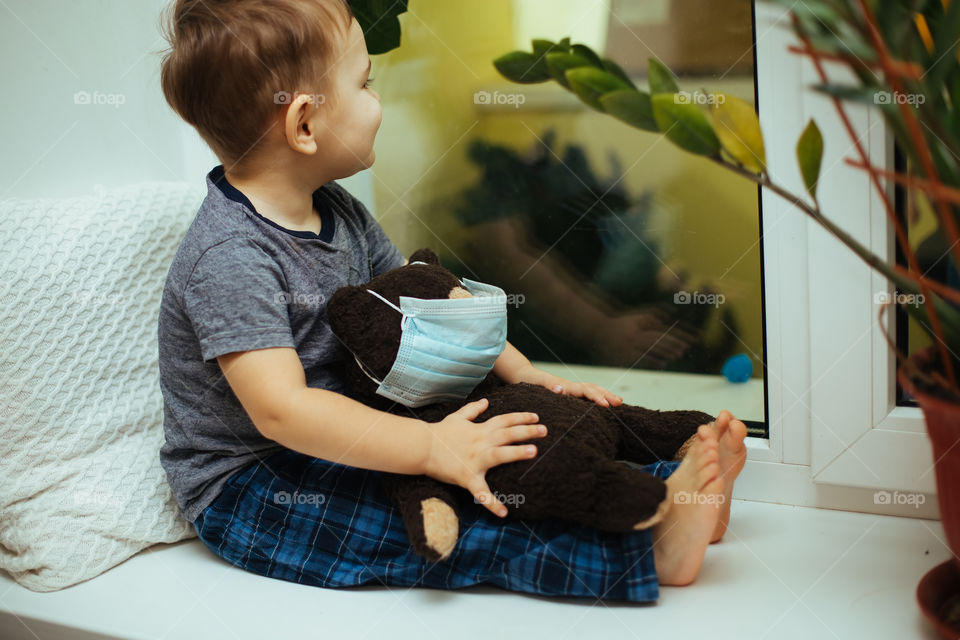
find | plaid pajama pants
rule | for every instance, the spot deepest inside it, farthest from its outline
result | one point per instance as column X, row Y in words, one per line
column 306, row 520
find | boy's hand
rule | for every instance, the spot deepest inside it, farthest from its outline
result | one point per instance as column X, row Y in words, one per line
column 461, row 450
column 587, row 390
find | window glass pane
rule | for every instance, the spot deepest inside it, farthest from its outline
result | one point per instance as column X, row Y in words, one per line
column 628, row 262
column 934, row 258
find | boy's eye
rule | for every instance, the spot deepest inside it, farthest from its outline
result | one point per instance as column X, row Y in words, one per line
column 368, row 83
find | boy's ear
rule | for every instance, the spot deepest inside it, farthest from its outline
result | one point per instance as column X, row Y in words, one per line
column 297, row 124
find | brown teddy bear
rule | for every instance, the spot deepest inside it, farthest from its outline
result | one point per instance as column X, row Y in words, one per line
column 576, row 475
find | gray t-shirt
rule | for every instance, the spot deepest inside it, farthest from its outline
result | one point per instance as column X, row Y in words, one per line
column 240, row 282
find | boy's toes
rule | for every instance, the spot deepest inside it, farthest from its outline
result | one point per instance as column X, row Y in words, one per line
column 737, row 430
column 709, row 472
column 722, row 423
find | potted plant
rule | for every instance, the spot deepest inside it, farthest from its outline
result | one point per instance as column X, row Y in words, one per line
column 903, row 57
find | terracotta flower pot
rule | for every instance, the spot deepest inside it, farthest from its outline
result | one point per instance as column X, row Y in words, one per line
column 943, row 426
column 939, row 591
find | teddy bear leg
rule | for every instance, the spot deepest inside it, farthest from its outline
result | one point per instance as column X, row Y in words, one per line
column 648, row 435
column 629, row 499
column 428, row 512
column 580, row 485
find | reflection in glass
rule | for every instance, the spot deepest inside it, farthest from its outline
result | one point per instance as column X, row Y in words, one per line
column 934, row 257
column 620, row 252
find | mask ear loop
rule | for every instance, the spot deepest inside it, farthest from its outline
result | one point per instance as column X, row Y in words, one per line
column 360, row 364
column 364, row 369
column 402, row 323
column 403, row 320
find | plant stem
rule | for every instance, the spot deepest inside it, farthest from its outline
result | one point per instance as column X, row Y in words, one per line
column 938, row 190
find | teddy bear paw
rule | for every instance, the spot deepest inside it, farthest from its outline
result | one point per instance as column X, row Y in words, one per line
column 440, row 526
column 655, row 518
column 684, row 448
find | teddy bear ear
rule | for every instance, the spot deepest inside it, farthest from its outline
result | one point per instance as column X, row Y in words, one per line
column 343, row 307
column 425, row 255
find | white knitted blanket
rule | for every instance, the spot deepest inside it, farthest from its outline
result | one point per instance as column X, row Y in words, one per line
column 81, row 487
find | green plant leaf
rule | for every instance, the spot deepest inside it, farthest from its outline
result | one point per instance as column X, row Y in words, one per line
column 736, row 124
column 542, row 47
column 809, row 156
column 894, row 20
column 632, row 107
column 684, row 124
column 558, row 63
column 871, row 96
column 589, row 83
column 379, row 22
column 584, row 51
column 949, row 319
column 945, row 44
column 522, row 67
column 618, row 71
column 822, row 11
column 660, row 78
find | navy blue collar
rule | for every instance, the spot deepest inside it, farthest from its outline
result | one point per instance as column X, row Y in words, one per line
column 327, row 220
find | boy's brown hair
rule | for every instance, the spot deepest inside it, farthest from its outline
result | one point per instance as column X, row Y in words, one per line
column 233, row 64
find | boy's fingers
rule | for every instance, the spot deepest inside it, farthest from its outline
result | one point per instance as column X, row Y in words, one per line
column 471, row 410
column 510, row 419
column 484, row 497
column 602, row 396
column 522, row 432
column 513, row 453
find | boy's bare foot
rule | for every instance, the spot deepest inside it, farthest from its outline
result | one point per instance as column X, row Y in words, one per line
column 733, row 455
column 694, row 491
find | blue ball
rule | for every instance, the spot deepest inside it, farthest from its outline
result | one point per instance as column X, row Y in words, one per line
column 738, row 368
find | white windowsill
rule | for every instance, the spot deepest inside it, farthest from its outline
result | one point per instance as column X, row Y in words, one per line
column 665, row 390
column 781, row 572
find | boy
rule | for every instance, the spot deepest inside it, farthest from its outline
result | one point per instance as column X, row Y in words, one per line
column 265, row 456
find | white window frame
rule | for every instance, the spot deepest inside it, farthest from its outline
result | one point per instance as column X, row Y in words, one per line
column 836, row 436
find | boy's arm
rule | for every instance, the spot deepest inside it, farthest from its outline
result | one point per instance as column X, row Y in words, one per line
column 271, row 386
column 512, row 367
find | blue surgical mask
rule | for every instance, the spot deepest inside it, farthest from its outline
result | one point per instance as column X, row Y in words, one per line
column 447, row 346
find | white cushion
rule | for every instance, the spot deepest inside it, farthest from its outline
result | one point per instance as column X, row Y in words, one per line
column 81, row 414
